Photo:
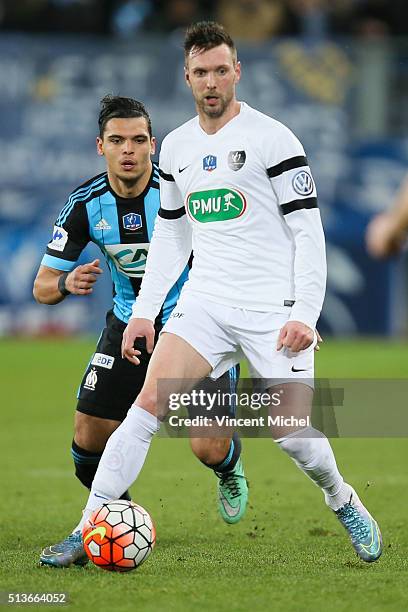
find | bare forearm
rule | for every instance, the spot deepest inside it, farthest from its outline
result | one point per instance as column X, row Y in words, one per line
column 386, row 232
column 46, row 289
column 400, row 210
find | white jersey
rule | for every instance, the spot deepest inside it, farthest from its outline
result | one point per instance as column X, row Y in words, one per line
column 245, row 201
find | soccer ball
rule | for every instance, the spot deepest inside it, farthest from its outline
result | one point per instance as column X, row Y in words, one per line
column 119, row 536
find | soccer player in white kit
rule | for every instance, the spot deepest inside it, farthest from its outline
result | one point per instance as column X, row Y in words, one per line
column 236, row 189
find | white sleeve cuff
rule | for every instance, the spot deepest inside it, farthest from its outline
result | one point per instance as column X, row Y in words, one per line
column 305, row 314
column 143, row 311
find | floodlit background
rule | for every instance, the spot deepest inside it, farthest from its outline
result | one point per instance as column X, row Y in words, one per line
column 335, row 72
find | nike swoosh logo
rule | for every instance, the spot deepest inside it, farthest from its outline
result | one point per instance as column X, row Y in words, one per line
column 182, row 169
column 100, row 496
column 295, row 370
column 100, row 531
column 228, row 508
column 375, row 531
column 51, row 553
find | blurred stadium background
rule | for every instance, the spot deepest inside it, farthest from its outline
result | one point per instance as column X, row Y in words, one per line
column 336, row 72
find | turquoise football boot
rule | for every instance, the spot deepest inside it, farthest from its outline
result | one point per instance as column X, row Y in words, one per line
column 66, row 553
column 232, row 493
column 363, row 530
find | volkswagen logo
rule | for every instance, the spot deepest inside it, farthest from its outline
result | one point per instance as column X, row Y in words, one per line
column 302, row 183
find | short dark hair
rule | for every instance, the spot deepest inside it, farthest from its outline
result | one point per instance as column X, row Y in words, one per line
column 206, row 35
column 117, row 107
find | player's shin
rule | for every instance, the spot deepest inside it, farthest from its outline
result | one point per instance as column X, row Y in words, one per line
column 312, row 453
column 122, row 459
column 232, row 484
column 226, row 460
column 86, row 463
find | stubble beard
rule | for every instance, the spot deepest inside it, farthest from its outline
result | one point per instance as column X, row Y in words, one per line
column 214, row 113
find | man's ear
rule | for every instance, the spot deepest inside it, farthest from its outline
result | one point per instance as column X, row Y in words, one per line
column 187, row 76
column 238, row 68
column 99, row 145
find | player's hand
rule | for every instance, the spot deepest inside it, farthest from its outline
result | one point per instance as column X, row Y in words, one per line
column 137, row 328
column 81, row 280
column 295, row 336
column 383, row 237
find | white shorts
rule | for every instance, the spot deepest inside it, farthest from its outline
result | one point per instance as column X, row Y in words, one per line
column 224, row 335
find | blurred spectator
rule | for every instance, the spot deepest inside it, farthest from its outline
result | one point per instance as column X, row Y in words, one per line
column 251, row 20
column 130, row 16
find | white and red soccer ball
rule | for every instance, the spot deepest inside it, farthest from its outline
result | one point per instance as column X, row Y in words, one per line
column 119, row 536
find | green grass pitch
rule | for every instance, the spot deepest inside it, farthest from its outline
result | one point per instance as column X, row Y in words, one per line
column 288, row 553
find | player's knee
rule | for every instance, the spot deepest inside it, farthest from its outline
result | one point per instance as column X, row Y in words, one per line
column 82, row 435
column 91, row 433
column 90, row 440
column 147, row 399
column 200, row 448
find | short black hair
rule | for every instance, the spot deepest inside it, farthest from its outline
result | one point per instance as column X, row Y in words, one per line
column 206, row 35
column 117, row 107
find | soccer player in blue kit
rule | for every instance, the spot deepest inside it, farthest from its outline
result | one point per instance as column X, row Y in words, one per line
column 117, row 210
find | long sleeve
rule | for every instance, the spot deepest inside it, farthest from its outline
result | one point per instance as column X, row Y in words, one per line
column 309, row 265
column 170, row 247
column 294, row 187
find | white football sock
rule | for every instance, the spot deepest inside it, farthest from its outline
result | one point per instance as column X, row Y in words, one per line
column 123, row 458
column 336, row 501
column 312, row 453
